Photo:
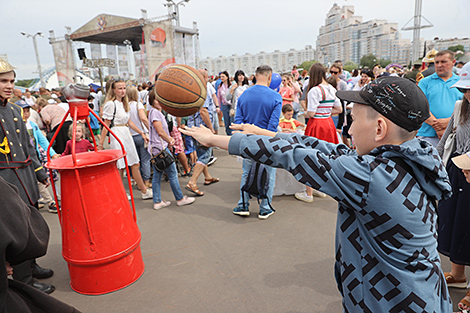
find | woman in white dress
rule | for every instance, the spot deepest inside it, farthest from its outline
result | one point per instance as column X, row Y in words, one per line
column 116, row 108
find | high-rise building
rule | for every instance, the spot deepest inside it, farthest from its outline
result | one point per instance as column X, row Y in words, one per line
column 280, row 61
column 346, row 37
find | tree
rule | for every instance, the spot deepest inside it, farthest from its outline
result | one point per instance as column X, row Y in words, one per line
column 456, row 48
column 384, row 62
column 350, row 66
column 24, row 82
column 307, row 64
column 368, row 61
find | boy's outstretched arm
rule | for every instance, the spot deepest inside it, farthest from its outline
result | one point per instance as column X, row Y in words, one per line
column 204, row 135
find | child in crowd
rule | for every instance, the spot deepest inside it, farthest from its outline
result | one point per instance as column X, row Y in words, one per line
column 95, row 126
column 386, row 246
column 287, row 123
column 40, row 142
column 81, row 144
column 286, row 90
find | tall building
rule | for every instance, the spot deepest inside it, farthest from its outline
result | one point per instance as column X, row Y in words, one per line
column 346, row 37
column 280, row 61
column 443, row 44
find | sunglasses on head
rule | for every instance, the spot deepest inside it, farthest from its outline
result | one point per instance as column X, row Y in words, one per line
column 333, row 72
column 463, row 90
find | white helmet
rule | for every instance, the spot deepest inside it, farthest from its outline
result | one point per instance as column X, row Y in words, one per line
column 464, row 81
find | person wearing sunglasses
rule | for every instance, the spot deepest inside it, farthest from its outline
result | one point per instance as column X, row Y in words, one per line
column 454, row 213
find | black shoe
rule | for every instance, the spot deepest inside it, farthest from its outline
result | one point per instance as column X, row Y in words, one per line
column 46, row 288
column 40, row 272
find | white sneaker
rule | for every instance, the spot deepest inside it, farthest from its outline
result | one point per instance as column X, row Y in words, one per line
column 128, row 197
column 302, row 196
column 318, row 194
column 185, row 201
column 161, row 205
column 148, row 194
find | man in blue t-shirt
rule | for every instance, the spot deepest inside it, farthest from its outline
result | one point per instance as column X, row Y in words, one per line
column 440, row 96
column 261, row 106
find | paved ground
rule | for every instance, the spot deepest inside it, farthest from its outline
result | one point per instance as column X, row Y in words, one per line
column 202, row 258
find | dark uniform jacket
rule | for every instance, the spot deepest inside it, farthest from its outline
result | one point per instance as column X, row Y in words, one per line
column 19, row 163
column 23, row 235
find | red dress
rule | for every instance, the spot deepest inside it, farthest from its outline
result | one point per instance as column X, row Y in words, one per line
column 321, row 126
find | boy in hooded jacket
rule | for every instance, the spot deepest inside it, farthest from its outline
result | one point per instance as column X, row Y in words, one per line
column 386, row 247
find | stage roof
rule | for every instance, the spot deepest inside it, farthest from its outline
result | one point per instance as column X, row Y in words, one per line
column 110, row 29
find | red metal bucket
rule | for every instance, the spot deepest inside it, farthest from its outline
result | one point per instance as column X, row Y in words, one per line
column 100, row 238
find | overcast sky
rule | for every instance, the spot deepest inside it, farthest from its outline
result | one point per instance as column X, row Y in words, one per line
column 226, row 26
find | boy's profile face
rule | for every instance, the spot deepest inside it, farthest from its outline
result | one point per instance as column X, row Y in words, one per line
column 362, row 129
column 288, row 115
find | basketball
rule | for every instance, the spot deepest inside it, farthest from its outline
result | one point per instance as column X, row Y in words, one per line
column 181, row 90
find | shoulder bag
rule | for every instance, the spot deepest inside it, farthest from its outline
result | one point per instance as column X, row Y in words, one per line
column 449, row 145
column 162, row 160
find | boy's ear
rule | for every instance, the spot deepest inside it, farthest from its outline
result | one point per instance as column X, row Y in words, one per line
column 381, row 129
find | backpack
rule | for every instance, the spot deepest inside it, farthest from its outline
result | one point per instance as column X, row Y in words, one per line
column 257, row 183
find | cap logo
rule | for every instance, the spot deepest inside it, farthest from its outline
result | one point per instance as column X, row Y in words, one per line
column 414, row 115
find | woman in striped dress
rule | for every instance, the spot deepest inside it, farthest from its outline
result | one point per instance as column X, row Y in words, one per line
column 321, row 103
column 454, row 213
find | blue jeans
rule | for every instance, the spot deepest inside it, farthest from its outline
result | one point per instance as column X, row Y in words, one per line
column 144, row 157
column 172, row 174
column 227, row 118
column 203, row 153
column 263, row 206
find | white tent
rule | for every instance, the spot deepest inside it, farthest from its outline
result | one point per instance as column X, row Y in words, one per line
column 52, row 81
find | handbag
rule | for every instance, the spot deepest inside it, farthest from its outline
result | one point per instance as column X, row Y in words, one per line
column 162, row 160
column 450, row 145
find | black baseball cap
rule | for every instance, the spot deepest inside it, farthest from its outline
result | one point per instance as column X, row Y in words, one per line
column 398, row 99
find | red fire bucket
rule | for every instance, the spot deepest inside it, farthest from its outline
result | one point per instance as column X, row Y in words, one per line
column 100, row 237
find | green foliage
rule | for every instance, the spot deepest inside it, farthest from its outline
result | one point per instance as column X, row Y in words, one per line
column 456, row 48
column 24, row 83
column 370, row 60
column 350, row 66
column 307, row 64
column 384, row 62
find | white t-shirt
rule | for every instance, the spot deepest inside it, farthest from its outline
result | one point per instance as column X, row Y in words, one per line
column 144, row 96
column 31, row 101
column 134, row 116
column 314, row 97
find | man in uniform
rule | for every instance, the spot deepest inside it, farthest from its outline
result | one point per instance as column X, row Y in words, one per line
column 414, row 72
column 19, row 165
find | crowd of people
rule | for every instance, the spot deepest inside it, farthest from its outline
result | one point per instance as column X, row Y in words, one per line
column 336, row 132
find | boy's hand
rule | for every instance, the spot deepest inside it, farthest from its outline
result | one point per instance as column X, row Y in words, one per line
column 202, row 134
column 246, row 129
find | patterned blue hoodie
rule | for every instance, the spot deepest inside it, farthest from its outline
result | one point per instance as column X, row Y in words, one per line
column 386, row 247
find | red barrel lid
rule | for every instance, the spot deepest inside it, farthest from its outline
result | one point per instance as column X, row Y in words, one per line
column 85, row 159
